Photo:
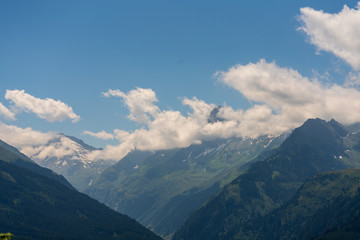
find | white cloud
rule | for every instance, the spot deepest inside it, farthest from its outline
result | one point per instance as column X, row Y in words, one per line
column 266, row 82
column 42, row 152
column 336, row 33
column 113, row 93
column 168, row 130
column 287, row 98
column 48, row 109
column 6, row 112
column 140, row 102
column 102, row 135
column 111, row 152
column 21, row 137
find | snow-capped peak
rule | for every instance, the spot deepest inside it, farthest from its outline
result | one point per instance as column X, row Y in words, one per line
column 61, row 148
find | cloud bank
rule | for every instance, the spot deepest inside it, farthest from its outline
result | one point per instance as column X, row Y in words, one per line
column 49, row 109
column 336, row 33
column 22, row 137
column 282, row 100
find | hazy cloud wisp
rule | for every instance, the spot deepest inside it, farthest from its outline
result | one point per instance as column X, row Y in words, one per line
column 4, row 111
column 21, row 137
column 101, row 135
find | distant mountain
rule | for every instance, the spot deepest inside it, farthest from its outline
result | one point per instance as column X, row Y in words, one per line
column 161, row 189
column 353, row 128
column 214, row 115
column 67, row 155
column 314, row 147
column 11, row 155
column 36, row 206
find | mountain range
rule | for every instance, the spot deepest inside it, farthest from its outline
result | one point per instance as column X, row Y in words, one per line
column 161, row 189
column 259, row 203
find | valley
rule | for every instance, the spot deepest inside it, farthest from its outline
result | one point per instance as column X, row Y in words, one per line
column 242, row 187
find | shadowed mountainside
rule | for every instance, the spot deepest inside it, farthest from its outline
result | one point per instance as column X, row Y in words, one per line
column 314, row 147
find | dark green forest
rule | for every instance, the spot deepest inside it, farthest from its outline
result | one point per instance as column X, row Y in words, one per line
column 34, row 206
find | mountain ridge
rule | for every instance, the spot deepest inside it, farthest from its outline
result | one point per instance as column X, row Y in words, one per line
column 34, row 206
column 12, row 155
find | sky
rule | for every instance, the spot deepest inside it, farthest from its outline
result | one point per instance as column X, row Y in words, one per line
column 125, row 75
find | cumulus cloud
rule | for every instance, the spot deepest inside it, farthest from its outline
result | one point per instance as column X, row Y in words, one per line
column 289, row 97
column 266, row 82
column 4, row 111
column 167, row 129
column 337, row 33
column 140, row 102
column 49, row 109
column 21, row 137
column 102, row 135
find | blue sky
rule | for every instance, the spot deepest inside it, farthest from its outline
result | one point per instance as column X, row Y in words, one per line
column 74, row 51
